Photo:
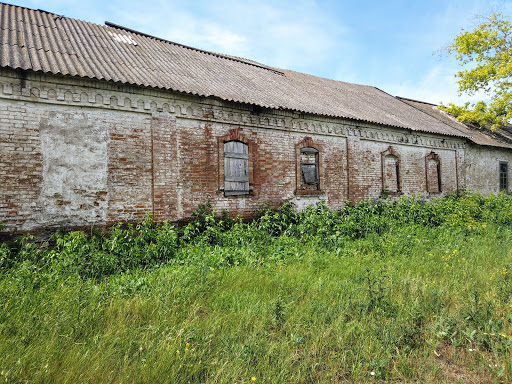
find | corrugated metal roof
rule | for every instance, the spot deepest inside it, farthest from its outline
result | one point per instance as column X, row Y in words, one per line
column 500, row 138
column 42, row 41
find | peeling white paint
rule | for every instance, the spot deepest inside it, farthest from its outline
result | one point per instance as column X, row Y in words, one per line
column 74, row 182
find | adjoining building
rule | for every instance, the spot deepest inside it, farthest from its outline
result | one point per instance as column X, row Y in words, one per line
column 100, row 124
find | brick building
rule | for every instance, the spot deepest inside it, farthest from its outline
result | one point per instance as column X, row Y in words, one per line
column 100, row 123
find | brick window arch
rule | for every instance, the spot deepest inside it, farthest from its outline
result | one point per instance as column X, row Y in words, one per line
column 391, row 183
column 433, row 172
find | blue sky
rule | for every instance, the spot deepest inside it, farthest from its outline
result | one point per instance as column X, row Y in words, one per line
column 387, row 44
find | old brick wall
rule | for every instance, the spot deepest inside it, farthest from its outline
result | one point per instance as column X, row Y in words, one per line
column 366, row 156
column 78, row 152
column 273, row 157
column 64, row 162
column 482, row 168
column 21, row 164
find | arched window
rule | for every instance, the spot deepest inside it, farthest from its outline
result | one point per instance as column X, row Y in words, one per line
column 236, row 168
column 390, row 171
column 391, row 174
column 309, row 166
column 433, row 171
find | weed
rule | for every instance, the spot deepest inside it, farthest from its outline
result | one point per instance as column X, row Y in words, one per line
column 319, row 295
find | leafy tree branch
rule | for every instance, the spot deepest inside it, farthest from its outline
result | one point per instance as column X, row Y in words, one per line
column 487, row 50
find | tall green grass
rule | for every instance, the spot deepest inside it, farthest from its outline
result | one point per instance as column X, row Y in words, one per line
column 408, row 291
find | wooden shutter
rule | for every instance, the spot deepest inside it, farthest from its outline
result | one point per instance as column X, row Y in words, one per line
column 309, row 173
column 236, row 168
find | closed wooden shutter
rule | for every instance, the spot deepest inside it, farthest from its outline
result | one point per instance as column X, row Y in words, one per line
column 236, row 168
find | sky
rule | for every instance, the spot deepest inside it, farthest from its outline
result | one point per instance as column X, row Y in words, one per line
column 393, row 45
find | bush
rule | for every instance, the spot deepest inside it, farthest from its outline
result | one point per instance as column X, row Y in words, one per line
column 147, row 244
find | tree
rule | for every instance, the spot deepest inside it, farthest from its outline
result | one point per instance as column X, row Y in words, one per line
column 487, row 50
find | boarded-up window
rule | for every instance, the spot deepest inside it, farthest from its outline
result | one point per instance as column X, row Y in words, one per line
column 503, row 176
column 433, row 175
column 309, row 166
column 236, row 168
column 391, row 174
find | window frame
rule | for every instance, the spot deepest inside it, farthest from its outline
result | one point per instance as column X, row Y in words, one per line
column 301, row 187
column 235, row 135
column 391, row 152
column 503, row 184
column 433, row 156
column 236, row 157
column 307, row 164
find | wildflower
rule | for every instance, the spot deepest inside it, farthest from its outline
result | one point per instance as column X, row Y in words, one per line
column 177, row 351
column 470, row 349
column 186, row 350
column 372, row 373
column 187, row 345
column 253, row 379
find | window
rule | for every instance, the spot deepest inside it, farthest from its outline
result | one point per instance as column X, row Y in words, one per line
column 433, row 172
column 309, row 166
column 390, row 172
column 236, row 168
column 503, row 176
column 235, row 164
column 308, row 170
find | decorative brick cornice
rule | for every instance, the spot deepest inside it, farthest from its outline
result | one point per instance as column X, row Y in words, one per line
column 62, row 90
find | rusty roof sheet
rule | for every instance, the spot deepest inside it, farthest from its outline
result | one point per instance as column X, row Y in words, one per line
column 42, row 41
column 500, row 138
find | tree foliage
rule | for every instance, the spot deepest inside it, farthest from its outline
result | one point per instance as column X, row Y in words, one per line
column 486, row 54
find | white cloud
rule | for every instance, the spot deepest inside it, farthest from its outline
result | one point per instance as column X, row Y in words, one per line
column 436, row 86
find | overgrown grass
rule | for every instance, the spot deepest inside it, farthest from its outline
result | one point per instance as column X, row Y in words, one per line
column 404, row 291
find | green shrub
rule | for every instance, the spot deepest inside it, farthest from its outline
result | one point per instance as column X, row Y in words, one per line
column 147, row 243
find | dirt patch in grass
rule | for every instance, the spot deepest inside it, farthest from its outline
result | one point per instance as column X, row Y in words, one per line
column 462, row 366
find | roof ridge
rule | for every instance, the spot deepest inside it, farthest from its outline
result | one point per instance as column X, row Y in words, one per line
column 31, row 9
column 417, row 101
column 220, row 55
